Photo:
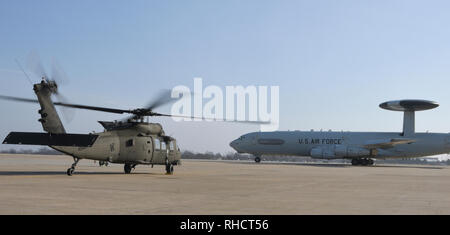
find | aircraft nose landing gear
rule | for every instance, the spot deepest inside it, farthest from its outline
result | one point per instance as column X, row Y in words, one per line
column 72, row 168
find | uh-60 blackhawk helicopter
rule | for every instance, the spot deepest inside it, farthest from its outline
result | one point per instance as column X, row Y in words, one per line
column 130, row 142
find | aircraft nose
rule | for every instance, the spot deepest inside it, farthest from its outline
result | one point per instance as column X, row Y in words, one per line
column 234, row 144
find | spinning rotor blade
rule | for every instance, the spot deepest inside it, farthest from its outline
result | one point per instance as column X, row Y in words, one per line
column 95, row 108
column 67, row 113
column 138, row 113
column 4, row 97
column 77, row 106
column 163, row 97
column 34, row 65
column 58, row 74
column 212, row 119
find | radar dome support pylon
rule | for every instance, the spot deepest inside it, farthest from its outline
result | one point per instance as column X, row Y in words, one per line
column 409, row 107
column 409, row 124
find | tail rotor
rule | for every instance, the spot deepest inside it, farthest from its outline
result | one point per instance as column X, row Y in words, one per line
column 58, row 77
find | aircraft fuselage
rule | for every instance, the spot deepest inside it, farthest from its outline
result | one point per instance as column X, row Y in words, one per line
column 335, row 145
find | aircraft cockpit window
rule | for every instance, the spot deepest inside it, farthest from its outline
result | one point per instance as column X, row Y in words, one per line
column 171, row 146
column 163, row 145
column 157, row 144
column 129, row 143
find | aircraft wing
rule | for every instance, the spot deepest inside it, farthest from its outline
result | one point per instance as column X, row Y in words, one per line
column 387, row 143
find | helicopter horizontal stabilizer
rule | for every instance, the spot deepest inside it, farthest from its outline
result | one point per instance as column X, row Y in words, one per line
column 36, row 138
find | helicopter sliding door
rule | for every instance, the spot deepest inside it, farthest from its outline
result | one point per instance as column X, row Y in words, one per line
column 127, row 149
column 139, row 149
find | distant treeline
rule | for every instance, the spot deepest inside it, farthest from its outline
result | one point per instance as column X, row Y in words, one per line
column 246, row 157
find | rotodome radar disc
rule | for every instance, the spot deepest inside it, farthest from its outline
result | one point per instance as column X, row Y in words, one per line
column 409, row 105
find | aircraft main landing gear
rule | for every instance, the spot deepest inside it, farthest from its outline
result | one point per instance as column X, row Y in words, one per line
column 257, row 159
column 127, row 168
column 169, row 169
column 362, row 162
column 72, row 168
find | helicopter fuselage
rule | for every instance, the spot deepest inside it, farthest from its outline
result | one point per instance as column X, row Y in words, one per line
column 135, row 145
column 131, row 142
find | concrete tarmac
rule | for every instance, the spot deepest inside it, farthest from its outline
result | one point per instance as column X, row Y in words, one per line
column 36, row 184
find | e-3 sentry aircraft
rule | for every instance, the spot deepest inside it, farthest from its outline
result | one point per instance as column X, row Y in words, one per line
column 360, row 147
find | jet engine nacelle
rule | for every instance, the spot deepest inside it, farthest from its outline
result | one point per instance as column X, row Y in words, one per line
column 339, row 151
column 348, row 151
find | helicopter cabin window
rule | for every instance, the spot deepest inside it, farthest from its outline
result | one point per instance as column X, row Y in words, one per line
column 157, row 144
column 171, row 145
column 129, row 143
column 163, row 145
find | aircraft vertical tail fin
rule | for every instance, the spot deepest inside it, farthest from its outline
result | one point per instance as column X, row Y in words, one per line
column 49, row 116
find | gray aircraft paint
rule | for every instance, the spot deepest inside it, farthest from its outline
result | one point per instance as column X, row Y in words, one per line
column 299, row 143
column 333, row 145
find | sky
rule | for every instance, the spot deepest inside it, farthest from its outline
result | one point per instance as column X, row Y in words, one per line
column 334, row 61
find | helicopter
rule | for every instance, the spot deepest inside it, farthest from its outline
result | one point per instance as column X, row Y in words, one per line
column 131, row 141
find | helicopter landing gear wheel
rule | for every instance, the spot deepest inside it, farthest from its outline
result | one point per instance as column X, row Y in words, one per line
column 127, row 168
column 257, row 159
column 72, row 168
column 70, row 171
column 169, row 169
